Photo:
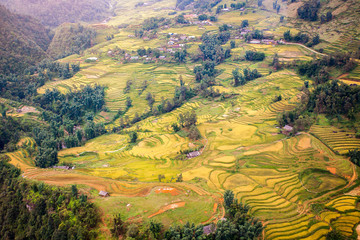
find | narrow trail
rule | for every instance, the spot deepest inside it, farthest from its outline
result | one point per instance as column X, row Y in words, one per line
column 312, row 50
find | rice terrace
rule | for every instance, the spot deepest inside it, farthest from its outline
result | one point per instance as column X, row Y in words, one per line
column 182, row 119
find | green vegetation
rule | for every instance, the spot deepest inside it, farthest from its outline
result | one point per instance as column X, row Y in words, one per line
column 71, row 39
column 34, row 210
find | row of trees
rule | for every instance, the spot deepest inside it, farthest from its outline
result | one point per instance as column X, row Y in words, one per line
column 254, row 56
column 248, row 75
column 301, row 38
column 319, row 69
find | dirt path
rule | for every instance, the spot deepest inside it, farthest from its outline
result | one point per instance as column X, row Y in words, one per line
column 312, row 50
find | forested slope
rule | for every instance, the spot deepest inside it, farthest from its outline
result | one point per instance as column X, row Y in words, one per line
column 23, row 41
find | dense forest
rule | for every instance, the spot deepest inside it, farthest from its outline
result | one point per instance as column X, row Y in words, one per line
column 70, row 39
column 36, row 211
column 23, row 41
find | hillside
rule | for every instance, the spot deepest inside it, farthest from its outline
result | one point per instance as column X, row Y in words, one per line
column 23, row 41
column 183, row 105
column 53, row 13
column 70, row 39
column 339, row 33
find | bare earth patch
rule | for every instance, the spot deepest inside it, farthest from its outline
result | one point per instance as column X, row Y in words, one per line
column 167, row 208
column 171, row 190
column 331, row 169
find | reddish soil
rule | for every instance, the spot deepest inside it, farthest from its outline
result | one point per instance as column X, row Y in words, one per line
column 172, row 191
column 168, row 207
column 215, row 207
column 331, row 169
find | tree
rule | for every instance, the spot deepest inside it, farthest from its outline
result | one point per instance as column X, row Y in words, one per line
column 228, row 198
column 213, row 18
column 150, row 99
column 133, row 137
column 179, row 178
column 119, row 227
column 194, row 133
column 232, row 44
column 180, row 56
column 160, row 177
column 203, row 17
column 180, row 19
column 132, row 231
column 187, row 119
column 128, row 102
column 245, row 23
column 155, row 228
column 329, row 16
column 236, row 76
column 175, row 127
column 282, row 19
column 287, row 36
column 74, row 191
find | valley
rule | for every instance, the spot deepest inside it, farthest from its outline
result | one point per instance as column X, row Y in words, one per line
column 298, row 181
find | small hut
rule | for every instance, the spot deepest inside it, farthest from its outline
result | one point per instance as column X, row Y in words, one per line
column 104, row 194
column 193, row 154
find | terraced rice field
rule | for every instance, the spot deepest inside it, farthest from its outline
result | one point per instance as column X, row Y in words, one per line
column 280, row 177
column 339, row 140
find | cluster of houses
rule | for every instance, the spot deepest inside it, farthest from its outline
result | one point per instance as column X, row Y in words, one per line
column 267, row 42
column 64, row 167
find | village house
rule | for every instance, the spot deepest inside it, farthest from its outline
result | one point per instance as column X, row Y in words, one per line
column 174, row 39
column 255, row 42
column 104, row 194
column 134, row 58
column 193, row 154
column 268, row 41
column 171, row 43
column 287, row 129
column 208, row 229
column 92, row 59
column 190, row 16
column 63, row 167
column 162, row 57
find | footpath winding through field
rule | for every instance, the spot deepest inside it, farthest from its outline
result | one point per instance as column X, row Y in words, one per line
column 312, row 50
